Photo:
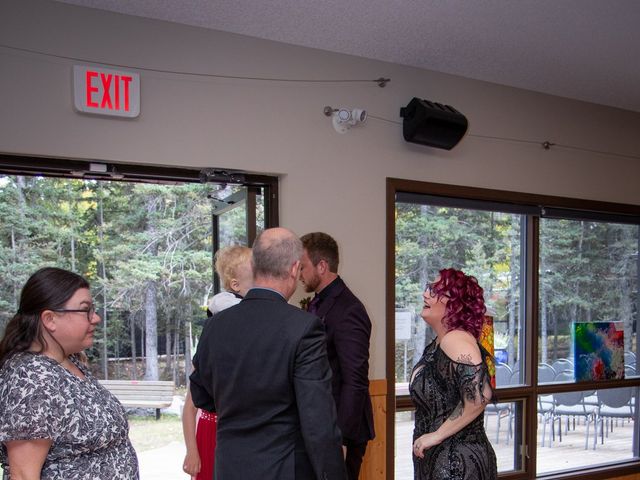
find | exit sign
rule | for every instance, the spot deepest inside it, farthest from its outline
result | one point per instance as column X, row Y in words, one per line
column 105, row 91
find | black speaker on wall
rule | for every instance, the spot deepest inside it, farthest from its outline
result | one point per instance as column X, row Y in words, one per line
column 432, row 124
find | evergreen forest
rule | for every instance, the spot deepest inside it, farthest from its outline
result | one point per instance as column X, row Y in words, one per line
column 588, row 272
column 145, row 248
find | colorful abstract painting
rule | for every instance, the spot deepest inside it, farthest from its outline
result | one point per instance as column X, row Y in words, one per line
column 599, row 350
column 486, row 340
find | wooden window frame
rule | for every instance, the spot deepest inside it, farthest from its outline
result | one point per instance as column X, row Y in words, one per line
column 615, row 212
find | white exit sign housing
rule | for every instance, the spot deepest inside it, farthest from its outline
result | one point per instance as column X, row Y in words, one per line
column 103, row 91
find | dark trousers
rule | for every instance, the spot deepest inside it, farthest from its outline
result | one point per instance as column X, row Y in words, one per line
column 355, row 452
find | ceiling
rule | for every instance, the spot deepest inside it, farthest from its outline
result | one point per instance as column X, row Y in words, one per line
column 583, row 49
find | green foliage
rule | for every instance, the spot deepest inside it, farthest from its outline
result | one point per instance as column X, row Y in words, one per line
column 589, row 272
column 430, row 238
column 121, row 236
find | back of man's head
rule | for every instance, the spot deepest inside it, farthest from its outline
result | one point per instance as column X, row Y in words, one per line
column 321, row 246
column 275, row 250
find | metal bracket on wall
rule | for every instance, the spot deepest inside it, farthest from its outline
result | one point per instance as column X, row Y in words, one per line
column 212, row 175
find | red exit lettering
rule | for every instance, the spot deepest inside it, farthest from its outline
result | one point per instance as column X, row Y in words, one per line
column 104, row 90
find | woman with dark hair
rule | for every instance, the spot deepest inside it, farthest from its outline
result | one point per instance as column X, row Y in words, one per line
column 450, row 385
column 56, row 421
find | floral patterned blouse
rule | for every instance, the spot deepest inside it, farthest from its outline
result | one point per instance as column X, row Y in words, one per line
column 41, row 399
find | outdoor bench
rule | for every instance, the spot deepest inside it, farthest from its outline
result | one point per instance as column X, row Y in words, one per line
column 142, row 393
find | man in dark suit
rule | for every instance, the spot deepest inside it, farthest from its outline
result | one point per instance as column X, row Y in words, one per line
column 262, row 366
column 348, row 332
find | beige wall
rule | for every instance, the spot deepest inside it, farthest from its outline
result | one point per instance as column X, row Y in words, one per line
column 329, row 181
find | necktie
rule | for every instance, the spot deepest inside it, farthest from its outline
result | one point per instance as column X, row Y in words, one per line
column 313, row 304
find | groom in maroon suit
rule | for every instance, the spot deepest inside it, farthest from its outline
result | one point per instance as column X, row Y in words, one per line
column 348, row 330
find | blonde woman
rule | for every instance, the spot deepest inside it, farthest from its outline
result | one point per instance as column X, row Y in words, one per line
column 233, row 265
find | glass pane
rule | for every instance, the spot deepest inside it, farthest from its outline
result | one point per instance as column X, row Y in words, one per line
column 581, row 429
column 503, row 426
column 233, row 226
column 403, row 442
column 230, row 203
column 588, row 300
column 485, row 244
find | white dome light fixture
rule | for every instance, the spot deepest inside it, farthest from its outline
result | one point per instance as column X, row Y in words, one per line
column 344, row 118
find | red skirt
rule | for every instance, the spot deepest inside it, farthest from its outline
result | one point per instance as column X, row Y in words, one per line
column 206, row 441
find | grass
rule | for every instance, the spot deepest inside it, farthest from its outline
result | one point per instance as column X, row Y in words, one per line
column 147, row 433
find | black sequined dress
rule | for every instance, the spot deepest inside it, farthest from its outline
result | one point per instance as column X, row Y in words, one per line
column 438, row 386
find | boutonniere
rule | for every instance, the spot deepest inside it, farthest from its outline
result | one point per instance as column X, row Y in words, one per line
column 304, row 303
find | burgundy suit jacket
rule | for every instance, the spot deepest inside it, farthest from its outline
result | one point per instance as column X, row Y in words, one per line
column 348, row 331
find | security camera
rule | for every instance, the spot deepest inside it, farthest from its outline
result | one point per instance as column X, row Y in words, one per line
column 343, row 118
column 359, row 115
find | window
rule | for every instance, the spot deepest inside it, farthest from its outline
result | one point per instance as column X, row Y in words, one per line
column 588, row 273
column 547, row 272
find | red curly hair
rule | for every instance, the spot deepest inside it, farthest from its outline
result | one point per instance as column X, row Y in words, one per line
column 465, row 309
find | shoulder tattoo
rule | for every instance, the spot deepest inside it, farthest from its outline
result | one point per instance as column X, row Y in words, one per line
column 465, row 358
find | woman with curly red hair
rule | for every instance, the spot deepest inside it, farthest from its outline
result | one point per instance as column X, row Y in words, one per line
column 450, row 385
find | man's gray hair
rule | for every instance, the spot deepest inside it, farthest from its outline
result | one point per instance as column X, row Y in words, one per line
column 274, row 252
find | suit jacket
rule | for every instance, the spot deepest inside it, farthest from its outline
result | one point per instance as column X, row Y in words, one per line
column 262, row 366
column 348, row 332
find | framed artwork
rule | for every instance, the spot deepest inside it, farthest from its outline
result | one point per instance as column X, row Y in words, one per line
column 598, row 350
column 486, row 340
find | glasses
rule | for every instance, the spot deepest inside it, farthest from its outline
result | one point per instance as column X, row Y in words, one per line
column 91, row 311
column 432, row 293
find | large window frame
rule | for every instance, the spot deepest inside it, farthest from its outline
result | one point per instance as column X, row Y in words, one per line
column 537, row 206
